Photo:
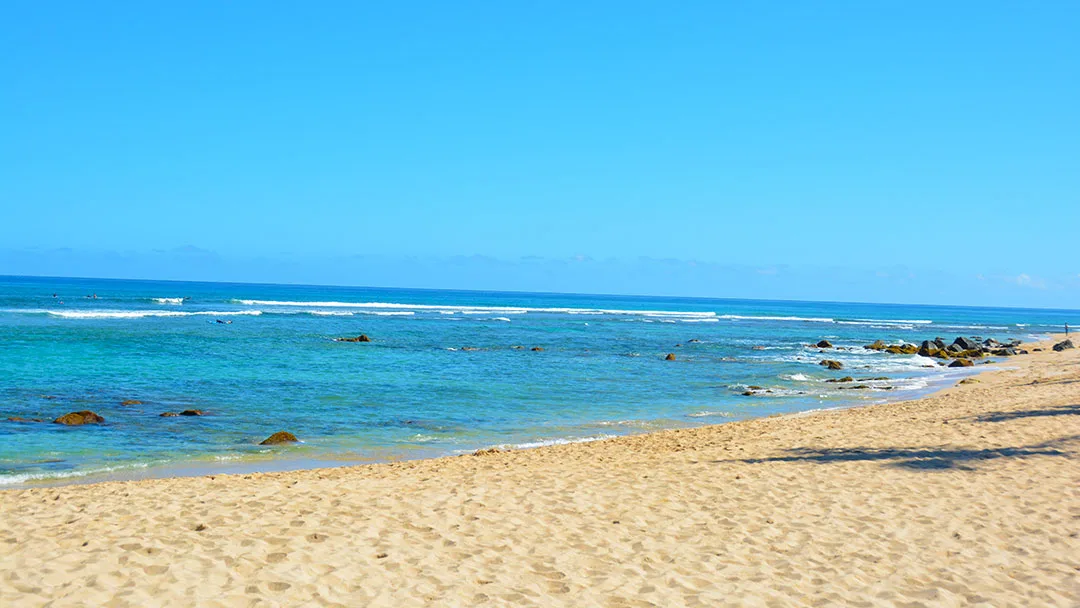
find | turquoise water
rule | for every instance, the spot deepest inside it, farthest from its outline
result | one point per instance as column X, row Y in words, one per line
column 415, row 391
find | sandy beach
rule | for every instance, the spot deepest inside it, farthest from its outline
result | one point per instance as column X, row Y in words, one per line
column 968, row 498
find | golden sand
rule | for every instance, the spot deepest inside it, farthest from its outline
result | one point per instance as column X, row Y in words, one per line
column 970, row 497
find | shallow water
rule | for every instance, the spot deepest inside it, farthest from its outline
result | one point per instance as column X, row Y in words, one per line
column 418, row 389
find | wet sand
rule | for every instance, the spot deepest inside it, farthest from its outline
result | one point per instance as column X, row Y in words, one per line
column 968, row 497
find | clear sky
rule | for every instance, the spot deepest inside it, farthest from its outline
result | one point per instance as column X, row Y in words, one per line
column 874, row 151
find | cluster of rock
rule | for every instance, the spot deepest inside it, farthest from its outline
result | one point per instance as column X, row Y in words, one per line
column 961, row 348
column 1060, row 346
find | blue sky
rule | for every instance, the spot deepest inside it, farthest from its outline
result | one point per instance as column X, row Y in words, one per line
column 891, row 151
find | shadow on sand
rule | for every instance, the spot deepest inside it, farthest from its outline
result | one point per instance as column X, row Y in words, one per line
column 924, row 458
column 1058, row 410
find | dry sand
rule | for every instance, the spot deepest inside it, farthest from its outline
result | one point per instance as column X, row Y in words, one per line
column 971, row 497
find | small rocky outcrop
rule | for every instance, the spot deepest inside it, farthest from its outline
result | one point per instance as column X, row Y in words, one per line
column 844, row 379
column 1063, row 345
column 131, row 402
column 693, row 341
column 517, row 347
column 169, row 415
column 831, row 364
column 469, row 349
column 670, row 357
column 360, row 338
column 279, row 437
column 902, row 349
column 824, row 344
column 961, row 363
column 21, row 419
column 79, row 418
column 536, row 349
column 877, row 345
column 191, row 413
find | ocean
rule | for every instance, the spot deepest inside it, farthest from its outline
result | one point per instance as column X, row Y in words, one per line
column 446, row 372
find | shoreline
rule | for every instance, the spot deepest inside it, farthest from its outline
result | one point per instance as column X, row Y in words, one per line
column 966, row 497
column 285, row 464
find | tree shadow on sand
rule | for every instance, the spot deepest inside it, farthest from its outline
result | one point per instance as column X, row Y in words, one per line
column 925, row 458
column 1058, row 410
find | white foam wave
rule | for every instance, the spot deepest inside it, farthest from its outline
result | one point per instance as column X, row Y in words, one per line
column 135, row 314
column 330, row 313
column 499, row 319
column 799, row 377
column 21, row 478
column 546, row 442
column 877, row 323
column 477, row 310
column 760, row 318
column 168, row 300
column 708, row 413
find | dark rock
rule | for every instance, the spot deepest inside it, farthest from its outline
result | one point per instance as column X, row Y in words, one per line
column 360, row 338
column 670, row 357
column 131, row 402
column 469, row 349
column 755, row 388
column 902, row 349
column 928, row 349
column 77, row 418
column 517, row 347
column 831, row 364
column 938, row 342
column 966, row 343
column 191, row 413
column 279, row 438
column 844, row 379
column 1060, row 346
column 536, row 349
column 169, row 415
column 955, row 348
column 824, row 344
column 693, row 341
column 877, row 345
column 961, row 363
column 748, row 394
column 21, row 419
column 1037, row 350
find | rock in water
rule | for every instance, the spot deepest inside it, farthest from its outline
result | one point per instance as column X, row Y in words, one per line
column 1060, row 346
column 961, row 363
column 824, row 344
column 131, row 402
column 536, row 349
column 191, row 413
column 279, row 437
column 831, row 364
column 877, row 345
column 360, row 338
column 670, row 357
column 169, row 415
column 77, row 418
